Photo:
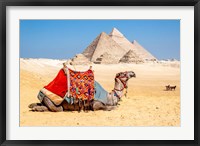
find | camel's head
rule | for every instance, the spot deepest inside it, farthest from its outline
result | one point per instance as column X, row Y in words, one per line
column 131, row 74
column 125, row 75
column 121, row 82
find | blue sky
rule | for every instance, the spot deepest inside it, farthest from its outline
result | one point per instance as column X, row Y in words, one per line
column 62, row 39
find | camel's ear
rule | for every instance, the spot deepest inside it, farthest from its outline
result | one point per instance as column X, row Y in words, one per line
column 117, row 74
column 64, row 65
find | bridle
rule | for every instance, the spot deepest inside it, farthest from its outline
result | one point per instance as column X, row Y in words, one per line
column 122, row 81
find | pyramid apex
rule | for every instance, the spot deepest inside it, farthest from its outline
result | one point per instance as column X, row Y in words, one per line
column 116, row 32
column 103, row 33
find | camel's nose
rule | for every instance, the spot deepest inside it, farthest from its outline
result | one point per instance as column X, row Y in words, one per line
column 133, row 75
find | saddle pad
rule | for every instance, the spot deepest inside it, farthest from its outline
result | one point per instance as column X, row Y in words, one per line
column 57, row 100
column 59, row 85
column 100, row 93
column 82, row 84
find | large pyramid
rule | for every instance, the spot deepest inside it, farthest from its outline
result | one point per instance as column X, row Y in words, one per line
column 101, row 45
column 117, row 46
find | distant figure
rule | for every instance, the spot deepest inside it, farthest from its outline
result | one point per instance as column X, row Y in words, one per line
column 170, row 88
column 167, row 87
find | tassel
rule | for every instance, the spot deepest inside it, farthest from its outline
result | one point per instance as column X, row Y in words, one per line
column 80, row 105
column 89, row 94
column 74, row 103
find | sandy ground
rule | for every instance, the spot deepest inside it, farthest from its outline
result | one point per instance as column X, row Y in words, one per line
column 148, row 104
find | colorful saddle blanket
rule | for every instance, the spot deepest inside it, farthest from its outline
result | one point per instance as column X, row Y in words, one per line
column 81, row 84
column 69, row 84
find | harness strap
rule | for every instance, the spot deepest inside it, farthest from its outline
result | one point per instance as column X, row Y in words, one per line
column 115, row 94
column 124, row 85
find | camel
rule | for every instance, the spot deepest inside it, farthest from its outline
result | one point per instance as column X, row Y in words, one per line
column 121, row 83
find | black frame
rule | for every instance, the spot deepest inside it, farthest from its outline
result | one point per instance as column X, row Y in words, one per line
column 4, row 3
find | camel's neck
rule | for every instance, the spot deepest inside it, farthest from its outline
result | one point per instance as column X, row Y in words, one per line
column 118, row 88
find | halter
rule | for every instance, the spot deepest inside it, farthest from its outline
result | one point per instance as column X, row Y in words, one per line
column 122, row 81
column 115, row 94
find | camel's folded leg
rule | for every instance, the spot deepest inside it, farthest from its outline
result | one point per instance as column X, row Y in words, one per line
column 100, row 106
column 51, row 106
column 40, row 108
column 34, row 104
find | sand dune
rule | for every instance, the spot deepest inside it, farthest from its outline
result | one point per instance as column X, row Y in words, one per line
column 147, row 103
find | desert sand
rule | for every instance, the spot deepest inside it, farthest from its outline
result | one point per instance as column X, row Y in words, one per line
column 147, row 102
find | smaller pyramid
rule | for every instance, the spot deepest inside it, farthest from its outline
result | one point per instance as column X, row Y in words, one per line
column 131, row 57
column 143, row 53
column 80, row 59
column 106, row 58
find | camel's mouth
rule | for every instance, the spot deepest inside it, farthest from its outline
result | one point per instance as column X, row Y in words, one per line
column 133, row 75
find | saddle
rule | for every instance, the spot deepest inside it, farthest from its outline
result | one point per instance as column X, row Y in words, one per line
column 81, row 84
column 72, row 86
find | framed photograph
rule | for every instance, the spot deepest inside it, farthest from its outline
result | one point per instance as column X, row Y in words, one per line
column 99, row 72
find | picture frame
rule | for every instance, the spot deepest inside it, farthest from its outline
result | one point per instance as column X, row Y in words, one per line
column 5, row 3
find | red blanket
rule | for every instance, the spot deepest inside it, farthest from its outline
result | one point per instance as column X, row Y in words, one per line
column 59, row 84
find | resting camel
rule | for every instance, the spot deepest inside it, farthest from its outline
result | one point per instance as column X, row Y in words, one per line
column 121, row 83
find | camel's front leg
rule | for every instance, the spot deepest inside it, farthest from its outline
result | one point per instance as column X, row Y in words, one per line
column 39, row 107
column 34, row 104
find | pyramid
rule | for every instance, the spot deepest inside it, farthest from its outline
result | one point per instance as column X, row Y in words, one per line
column 106, row 58
column 142, row 52
column 131, row 57
column 116, row 45
column 101, row 45
column 80, row 59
